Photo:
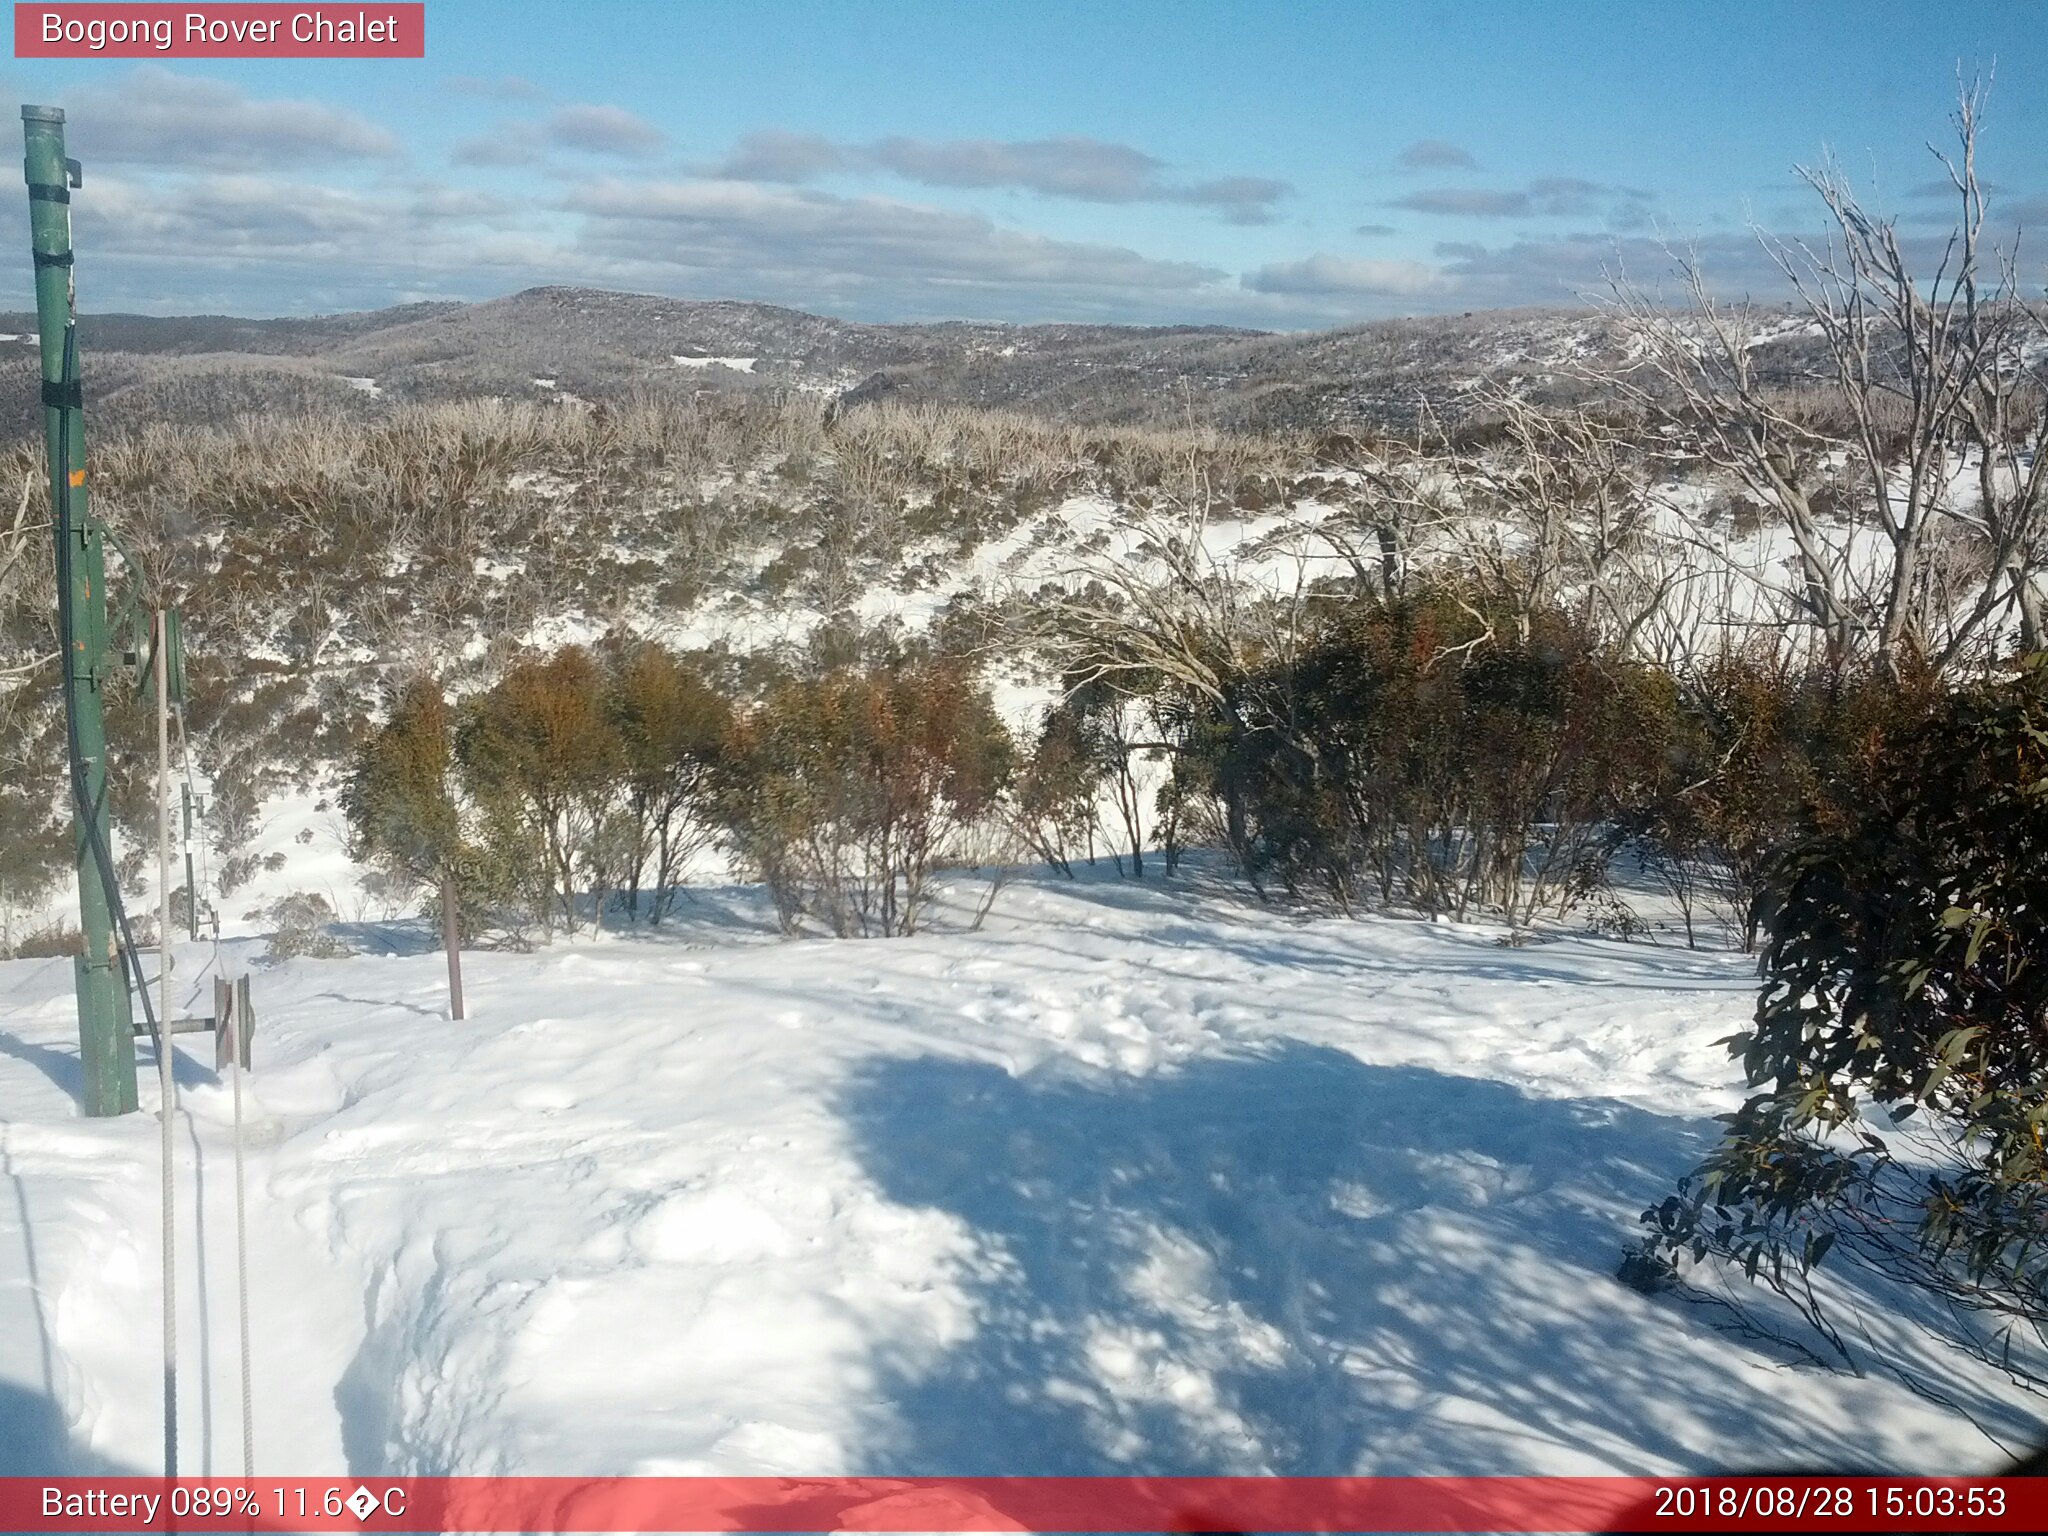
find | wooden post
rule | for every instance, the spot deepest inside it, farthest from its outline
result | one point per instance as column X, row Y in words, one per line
column 233, row 1022
column 224, row 1028
column 191, row 885
column 451, row 941
column 245, row 1021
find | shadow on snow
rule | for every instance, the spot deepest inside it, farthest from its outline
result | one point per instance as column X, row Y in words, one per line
column 1295, row 1262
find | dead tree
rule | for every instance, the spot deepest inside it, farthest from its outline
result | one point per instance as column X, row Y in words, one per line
column 1901, row 553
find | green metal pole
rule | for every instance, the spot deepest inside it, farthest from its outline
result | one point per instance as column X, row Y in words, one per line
column 106, row 1042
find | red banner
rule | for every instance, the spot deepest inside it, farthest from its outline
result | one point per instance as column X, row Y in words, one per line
column 1052, row 1504
column 103, row 31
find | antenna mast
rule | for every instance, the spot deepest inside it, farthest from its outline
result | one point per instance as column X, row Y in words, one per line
column 106, row 1039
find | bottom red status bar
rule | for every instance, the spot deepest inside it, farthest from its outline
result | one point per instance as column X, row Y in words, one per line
column 1051, row 1504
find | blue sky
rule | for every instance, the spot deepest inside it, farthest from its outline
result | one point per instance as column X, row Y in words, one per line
column 1266, row 164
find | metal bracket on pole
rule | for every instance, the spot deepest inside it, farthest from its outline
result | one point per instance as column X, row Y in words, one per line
column 232, row 1023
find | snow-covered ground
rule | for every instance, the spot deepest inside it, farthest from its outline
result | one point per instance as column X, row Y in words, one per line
column 1137, row 1178
column 736, row 364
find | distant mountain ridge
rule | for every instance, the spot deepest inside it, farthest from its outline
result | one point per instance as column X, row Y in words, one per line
column 594, row 342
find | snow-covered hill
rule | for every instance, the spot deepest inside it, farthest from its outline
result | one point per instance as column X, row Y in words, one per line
column 1138, row 1178
column 596, row 343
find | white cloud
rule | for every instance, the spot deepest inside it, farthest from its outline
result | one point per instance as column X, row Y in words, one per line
column 776, row 154
column 514, row 144
column 1435, row 155
column 1076, row 167
column 716, row 225
column 1547, row 197
column 1325, row 275
column 603, row 130
column 157, row 118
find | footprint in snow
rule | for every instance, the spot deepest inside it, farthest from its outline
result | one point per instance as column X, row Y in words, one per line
column 546, row 1098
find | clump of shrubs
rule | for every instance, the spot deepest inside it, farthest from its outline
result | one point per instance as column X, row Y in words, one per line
column 1760, row 748
column 583, row 784
column 846, row 792
column 1423, row 753
column 1449, row 750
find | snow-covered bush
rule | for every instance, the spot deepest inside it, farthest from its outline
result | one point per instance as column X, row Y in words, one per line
column 300, row 930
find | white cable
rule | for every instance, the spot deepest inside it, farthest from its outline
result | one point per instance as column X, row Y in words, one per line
column 241, row 1028
column 166, row 1077
column 242, row 1249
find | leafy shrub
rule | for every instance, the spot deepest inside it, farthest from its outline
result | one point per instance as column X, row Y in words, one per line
column 847, row 790
column 59, row 938
column 406, row 819
column 542, row 758
column 576, row 773
column 671, row 725
column 398, row 798
column 1087, row 750
column 1411, row 754
column 236, row 872
column 35, row 846
column 1056, row 790
column 1905, row 970
column 1759, row 749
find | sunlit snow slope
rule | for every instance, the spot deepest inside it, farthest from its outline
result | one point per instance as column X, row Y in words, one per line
column 1138, row 1178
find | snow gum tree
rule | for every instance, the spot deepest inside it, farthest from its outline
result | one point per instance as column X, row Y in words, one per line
column 671, row 726
column 847, row 791
column 405, row 808
column 542, row 757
